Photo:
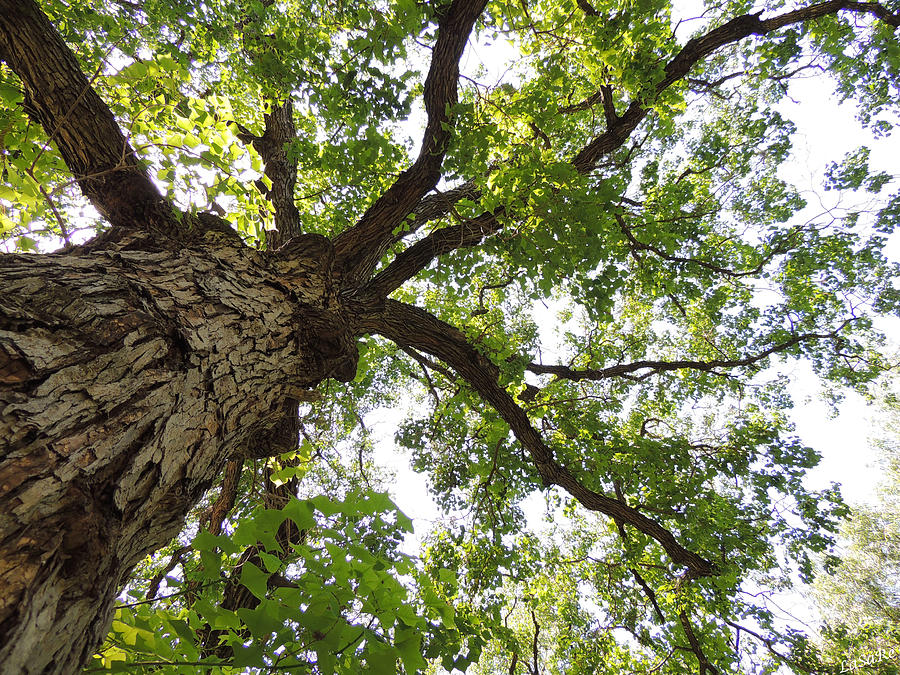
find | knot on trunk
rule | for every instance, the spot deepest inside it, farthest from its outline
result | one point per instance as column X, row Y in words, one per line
column 326, row 336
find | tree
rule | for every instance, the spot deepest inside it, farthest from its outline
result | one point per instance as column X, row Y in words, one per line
column 268, row 251
column 860, row 598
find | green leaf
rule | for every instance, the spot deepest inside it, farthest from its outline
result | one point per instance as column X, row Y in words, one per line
column 262, row 621
column 9, row 94
column 272, row 563
column 409, row 647
column 301, row 512
column 381, row 658
column 247, row 656
column 254, row 579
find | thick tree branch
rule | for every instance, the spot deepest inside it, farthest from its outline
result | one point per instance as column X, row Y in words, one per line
column 609, row 106
column 586, row 104
column 410, row 326
column 427, row 363
column 699, row 48
column 705, row 666
column 282, row 171
column 535, row 650
column 649, row 592
column 279, row 131
column 654, row 367
column 174, row 560
column 438, row 205
column 587, row 8
column 59, row 96
column 417, row 257
column 637, row 245
column 220, row 508
column 359, row 248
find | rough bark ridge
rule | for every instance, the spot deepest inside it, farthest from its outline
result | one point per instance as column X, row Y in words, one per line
column 129, row 376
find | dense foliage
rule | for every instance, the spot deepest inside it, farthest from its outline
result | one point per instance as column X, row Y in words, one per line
column 612, row 231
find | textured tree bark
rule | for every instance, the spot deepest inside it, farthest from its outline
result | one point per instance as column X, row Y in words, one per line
column 129, row 374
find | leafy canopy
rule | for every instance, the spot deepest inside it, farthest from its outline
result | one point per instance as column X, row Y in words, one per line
column 623, row 173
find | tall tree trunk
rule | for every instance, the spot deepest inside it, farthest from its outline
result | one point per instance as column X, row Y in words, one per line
column 128, row 375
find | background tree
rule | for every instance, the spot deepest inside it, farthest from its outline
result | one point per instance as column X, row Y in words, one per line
column 273, row 265
column 860, row 598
